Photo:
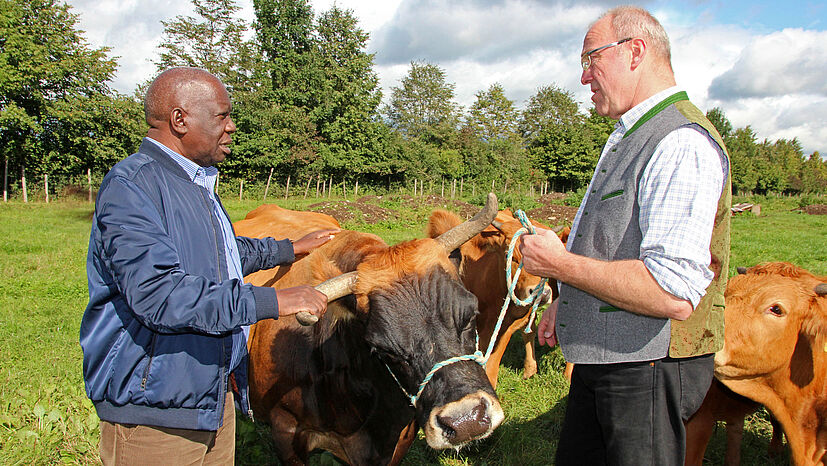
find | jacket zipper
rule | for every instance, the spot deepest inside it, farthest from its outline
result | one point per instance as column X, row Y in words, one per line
column 149, row 363
column 214, row 233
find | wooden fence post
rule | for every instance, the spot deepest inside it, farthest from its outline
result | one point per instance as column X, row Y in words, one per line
column 317, row 184
column 453, row 187
column 240, row 189
column 46, row 186
column 344, row 189
column 461, row 182
column 23, row 182
column 6, row 181
column 267, row 188
column 287, row 187
column 89, row 181
column 442, row 193
column 356, row 190
column 307, row 188
column 330, row 187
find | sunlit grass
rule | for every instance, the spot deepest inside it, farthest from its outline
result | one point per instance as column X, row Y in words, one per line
column 45, row 417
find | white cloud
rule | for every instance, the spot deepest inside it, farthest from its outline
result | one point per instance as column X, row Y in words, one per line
column 770, row 81
column 442, row 31
column 786, row 62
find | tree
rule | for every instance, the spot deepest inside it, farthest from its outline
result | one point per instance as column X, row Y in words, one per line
column 284, row 29
column 563, row 143
column 550, row 106
column 493, row 116
column 347, row 112
column 423, row 106
column 497, row 148
column 720, row 122
column 814, row 174
column 743, row 153
column 45, row 65
column 212, row 41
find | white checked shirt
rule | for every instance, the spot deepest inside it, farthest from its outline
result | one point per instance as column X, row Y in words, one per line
column 678, row 196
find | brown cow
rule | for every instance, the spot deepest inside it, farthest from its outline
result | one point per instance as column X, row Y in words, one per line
column 722, row 404
column 343, row 384
column 482, row 268
column 774, row 351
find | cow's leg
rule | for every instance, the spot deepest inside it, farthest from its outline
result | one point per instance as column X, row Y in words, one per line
column 567, row 371
column 530, row 361
column 492, row 366
column 777, row 442
column 734, row 436
column 284, row 428
column 698, row 432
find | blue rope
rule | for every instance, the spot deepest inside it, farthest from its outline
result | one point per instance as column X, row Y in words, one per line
column 533, row 297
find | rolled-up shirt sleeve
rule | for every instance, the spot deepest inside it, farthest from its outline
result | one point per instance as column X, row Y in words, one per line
column 679, row 195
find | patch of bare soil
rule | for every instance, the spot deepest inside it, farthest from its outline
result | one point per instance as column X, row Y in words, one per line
column 463, row 209
column 549, row 198
column 553, row 215
column 345, row 211
column 816, row 209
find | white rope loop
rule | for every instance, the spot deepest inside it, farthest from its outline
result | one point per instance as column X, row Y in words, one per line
column 533, row 297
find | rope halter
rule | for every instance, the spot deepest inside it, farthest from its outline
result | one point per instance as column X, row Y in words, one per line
column 478, row 357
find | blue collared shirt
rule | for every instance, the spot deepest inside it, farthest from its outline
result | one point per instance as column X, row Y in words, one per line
column 206, row 178
column 678, row 195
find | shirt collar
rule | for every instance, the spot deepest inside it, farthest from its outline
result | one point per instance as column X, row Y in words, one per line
column 628, row 119
column 190, row 167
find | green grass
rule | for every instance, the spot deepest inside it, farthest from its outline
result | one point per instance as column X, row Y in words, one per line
column 45, row 417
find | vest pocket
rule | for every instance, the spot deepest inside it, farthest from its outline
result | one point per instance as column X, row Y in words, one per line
column 612, row 194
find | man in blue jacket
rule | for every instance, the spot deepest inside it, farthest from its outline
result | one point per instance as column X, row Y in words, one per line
column 163, row 336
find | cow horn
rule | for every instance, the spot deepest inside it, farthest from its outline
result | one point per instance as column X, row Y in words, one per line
column 334, row 288
column 821, row 289
column 461, row 233
column 497, row 224
column 741, row 270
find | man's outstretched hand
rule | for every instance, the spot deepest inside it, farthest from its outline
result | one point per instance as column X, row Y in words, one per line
column 313, row 240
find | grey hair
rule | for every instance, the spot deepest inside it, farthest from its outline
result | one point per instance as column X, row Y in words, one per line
column 632, row 21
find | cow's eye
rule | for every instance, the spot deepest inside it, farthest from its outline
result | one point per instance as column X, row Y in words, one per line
column 776, row 310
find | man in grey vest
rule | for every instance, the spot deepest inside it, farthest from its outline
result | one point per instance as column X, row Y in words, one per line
column 640, row 311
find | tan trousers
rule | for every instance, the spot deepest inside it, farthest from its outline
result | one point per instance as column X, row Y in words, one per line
column 130, row 444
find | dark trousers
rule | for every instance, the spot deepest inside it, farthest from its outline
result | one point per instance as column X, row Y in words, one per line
column 632, row 413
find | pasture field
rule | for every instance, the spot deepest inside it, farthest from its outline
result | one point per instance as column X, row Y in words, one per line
column 45, row 417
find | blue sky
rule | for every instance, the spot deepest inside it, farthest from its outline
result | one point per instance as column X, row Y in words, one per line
column 764, row 63
column 760, row 16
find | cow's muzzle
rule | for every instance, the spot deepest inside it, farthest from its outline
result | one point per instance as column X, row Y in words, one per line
column 472, row 417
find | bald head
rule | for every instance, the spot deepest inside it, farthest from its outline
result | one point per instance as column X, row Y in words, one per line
column 177, row 87
column 631, row 21
column 188, row 110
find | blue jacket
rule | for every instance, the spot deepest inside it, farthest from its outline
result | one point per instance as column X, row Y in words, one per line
column 157, row 335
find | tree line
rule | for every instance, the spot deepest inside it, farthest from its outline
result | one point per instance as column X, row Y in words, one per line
column 307, row 103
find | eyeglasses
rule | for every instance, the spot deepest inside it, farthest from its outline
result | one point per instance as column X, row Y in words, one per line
column 586, row 58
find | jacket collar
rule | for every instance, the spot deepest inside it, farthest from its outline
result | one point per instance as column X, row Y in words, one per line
column 151, row 149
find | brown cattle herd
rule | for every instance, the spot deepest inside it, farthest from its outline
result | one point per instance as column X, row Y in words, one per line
column 347, row 383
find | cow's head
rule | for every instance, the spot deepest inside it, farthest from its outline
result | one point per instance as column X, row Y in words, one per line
column 416, row 314
column 486, row 255
column 773, row 312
